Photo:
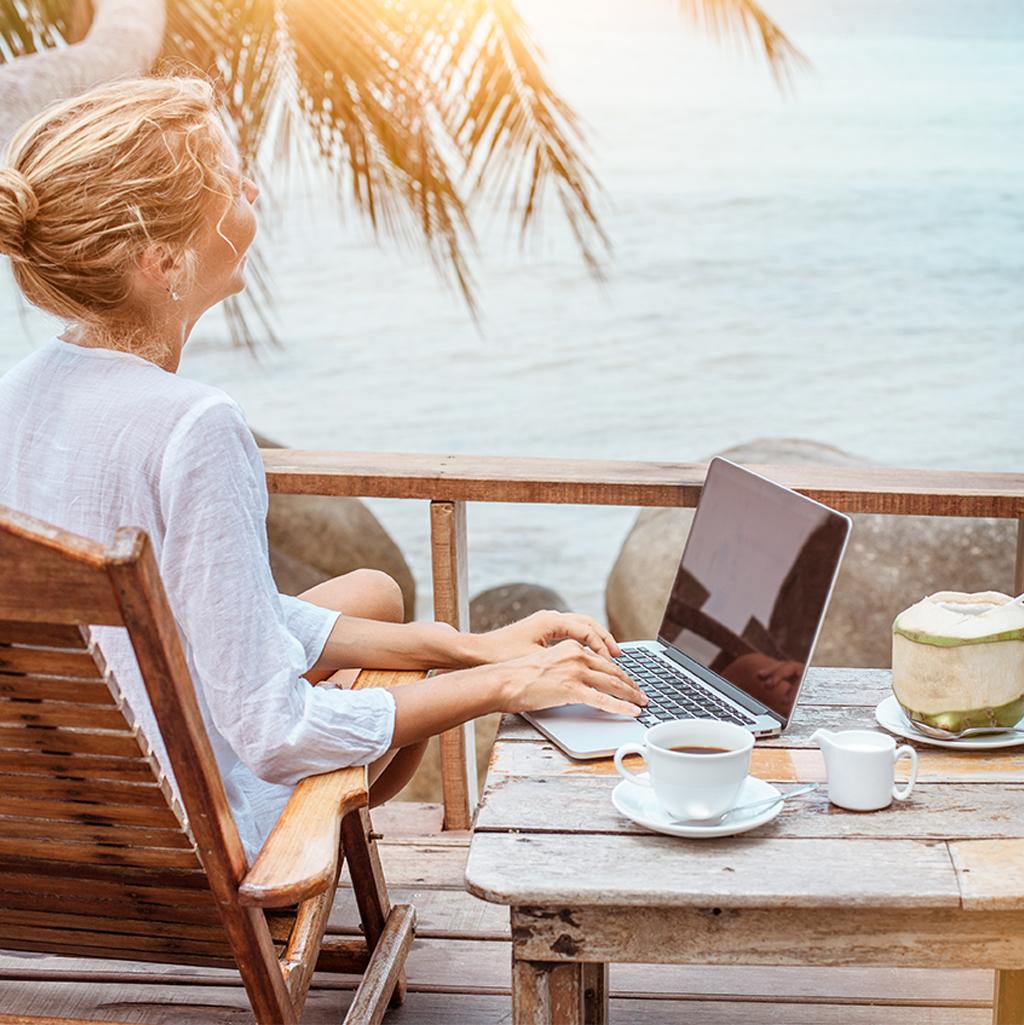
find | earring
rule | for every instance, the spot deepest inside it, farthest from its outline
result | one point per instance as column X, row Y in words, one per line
column 174, row 295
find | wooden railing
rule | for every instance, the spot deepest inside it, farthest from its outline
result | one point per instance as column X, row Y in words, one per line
column 449, row 482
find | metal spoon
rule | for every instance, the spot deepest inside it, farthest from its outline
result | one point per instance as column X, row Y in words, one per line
column 972, row 731
column 765, row 803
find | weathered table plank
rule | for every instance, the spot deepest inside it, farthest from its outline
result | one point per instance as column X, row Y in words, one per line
column 991, row 872
column 575, row 870
column 778, row 765
column 582, row 804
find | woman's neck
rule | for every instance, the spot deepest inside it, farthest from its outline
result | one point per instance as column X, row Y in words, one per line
column 161, row 346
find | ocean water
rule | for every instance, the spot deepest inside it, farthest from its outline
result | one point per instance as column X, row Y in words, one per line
column 842, row 261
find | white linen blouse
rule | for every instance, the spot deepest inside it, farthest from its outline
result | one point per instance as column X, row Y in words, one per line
column 96, row 439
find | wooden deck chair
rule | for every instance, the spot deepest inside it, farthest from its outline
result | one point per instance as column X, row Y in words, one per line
column 97, row 858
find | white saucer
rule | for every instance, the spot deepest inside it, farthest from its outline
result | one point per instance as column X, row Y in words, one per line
column 638, row 803
column 890, row 716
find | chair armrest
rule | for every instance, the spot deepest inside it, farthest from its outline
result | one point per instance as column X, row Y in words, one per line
column 300, row 857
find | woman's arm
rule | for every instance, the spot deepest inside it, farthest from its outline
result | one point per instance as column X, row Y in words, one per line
column 565, row 673
column 246, row 664
column 371, row 644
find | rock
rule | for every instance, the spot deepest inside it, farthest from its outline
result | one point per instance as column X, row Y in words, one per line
column 791, row 451
column 638, row 585
column 891, row 563
column 313, row 537
column 291, row 574
column 509, row 603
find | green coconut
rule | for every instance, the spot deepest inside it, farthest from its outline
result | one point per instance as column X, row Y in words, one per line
column 958, row 660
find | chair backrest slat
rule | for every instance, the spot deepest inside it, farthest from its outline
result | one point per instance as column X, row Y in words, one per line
column 48, row 662
column 33, row 687
column 120, row 744
column 109, row 795
column 56, row 810
column 78, row 828
column 132, row 886
column 46, row 635
column 94, row 877
column 54, row 849
column 58, row 937
column 45, row 712
column 40, row 763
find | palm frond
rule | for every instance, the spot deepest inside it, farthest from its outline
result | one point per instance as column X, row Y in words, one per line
column 748, row 21
column 235, row 44
column 373, row 117
column 418, row 108
column 515, row 131
column 329, row 72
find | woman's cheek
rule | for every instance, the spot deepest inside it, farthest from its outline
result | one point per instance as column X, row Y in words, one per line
column 249, row 226
column 237, row 233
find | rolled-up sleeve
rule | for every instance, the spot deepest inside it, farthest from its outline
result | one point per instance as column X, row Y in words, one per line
column 311, row 624
column 248, row 663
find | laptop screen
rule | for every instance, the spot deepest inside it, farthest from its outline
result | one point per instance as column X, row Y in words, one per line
column 753, row 583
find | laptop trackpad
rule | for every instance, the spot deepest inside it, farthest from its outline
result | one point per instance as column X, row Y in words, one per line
column 585, row 732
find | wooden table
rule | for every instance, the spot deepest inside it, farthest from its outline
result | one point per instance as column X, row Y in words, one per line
column 936, row 882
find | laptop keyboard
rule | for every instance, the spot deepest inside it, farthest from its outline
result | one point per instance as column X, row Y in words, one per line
column 675, row 694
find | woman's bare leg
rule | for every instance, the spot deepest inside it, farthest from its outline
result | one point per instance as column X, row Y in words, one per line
column 364, row 593
column 368, row 594
column 395, row 772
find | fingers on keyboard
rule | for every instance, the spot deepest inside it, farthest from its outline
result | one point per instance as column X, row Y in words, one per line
column 673, row 694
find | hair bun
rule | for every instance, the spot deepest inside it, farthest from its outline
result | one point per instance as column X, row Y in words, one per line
column 18, row 205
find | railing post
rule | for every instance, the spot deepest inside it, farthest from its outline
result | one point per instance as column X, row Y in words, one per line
column 1018, row 575
column 451, row 605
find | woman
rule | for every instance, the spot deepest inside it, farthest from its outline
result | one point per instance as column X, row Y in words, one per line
column 126, row 215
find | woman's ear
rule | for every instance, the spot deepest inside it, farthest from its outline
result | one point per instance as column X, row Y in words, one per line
column 158, row 270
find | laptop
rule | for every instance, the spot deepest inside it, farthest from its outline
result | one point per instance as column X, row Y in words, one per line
column 741, row 621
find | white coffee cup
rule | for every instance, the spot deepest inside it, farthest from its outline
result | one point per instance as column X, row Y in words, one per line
column 692, row 786
column 860, row 765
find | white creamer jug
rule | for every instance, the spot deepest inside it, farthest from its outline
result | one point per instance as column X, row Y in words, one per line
column 860, row 765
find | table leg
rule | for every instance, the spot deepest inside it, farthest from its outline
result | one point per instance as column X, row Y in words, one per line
column 1008, row 1005
column 544, row 993
column 563, row 993
column 595, row 994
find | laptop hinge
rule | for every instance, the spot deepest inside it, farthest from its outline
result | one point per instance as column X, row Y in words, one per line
column 741, row 697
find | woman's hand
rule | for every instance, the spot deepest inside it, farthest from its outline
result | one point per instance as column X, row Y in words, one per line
column 535, row 632
column 565, row 674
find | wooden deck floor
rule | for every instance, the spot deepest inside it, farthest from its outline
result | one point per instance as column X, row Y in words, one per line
column 460, row 964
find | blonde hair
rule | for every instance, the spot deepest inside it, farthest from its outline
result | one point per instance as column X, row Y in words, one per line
column 89, row 183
